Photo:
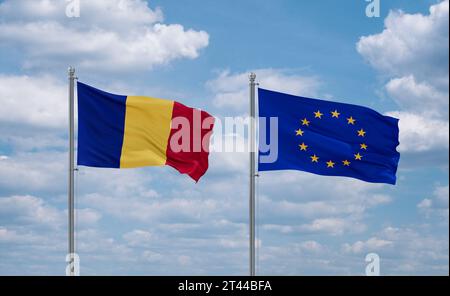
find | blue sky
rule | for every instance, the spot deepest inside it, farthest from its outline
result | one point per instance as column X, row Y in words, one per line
column 154, row 221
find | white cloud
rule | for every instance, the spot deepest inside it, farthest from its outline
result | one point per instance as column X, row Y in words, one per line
column 138, row 237
column 231, row 89
column 30, row 210
column 420, row 97
column 412, row 52
column 34, row 212
column 316, row 205
column 34, row 113
column 114, row 14
column 12, row 236
column 233, row 243
column 285, row 229
column 420, row 132
column 34, row 101
column 92, row 242
column 437, row 205
column 151, row 256
column 441, row 196
column 34, row 172
column 333, row 226
column 425, row 204
column 419, row 251
column 404, row 250
column 410, row 43
column 87, row 216
column 312, row 246
column 153, row 210
column 306, row 200
column 115, row 35
column 378, row 199
column 371, row 245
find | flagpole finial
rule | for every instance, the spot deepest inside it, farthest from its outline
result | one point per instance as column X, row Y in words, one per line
column 252, row 77
column 71, row 71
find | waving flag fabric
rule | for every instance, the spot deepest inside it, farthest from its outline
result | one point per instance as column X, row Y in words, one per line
column 329, row 138
column 117, row 131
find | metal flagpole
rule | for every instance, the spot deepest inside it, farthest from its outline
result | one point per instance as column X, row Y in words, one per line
column 252, row 137
column 71, row 198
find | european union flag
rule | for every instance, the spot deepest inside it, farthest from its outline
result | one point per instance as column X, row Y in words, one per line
column 327, row 138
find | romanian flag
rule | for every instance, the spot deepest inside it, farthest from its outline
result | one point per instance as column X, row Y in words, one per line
column 116, row 131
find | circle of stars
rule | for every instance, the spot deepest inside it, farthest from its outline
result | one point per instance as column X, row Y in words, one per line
column 361, row 133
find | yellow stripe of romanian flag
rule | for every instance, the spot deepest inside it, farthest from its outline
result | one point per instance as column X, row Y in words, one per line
column 147, row 130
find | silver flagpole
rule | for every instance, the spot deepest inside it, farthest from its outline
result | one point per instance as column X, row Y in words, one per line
column 71, row 199
column 252, row 137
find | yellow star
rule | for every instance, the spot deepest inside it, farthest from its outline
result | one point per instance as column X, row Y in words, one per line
column 303, row 147
column 364, row 146
column 299, row 132
column 305, row 122
column 318, row 114
column 346, row 163
column 335, row 114
column 351, row 120
column 358, row 156
column 314, row 158
column 330, row 164
column 361, row 133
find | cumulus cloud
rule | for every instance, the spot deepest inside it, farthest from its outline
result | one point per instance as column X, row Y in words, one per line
column 12, row 236
column 371, row 245
column 231, row 89
column 328, row 226
column 36, row 212
column 420, row 97
column 116, row 35
column 42, row 172
column 437, row 204
column 176, row 209
column 421, row 250
column 33, row 117
column 312, row 246
column 442, row 196
column 87, row 216
column 40, row 102
column 334, row 226
column 307, row 204
column 412, row 52
column 138, row 237
column 410, row 43
column 112, row 13
column 29, row 210
column 92, row 241
column 421, row 133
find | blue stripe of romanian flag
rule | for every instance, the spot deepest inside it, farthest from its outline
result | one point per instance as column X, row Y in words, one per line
column 102, row 135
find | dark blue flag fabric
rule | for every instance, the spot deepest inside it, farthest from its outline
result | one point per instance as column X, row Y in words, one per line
column 326, row 138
